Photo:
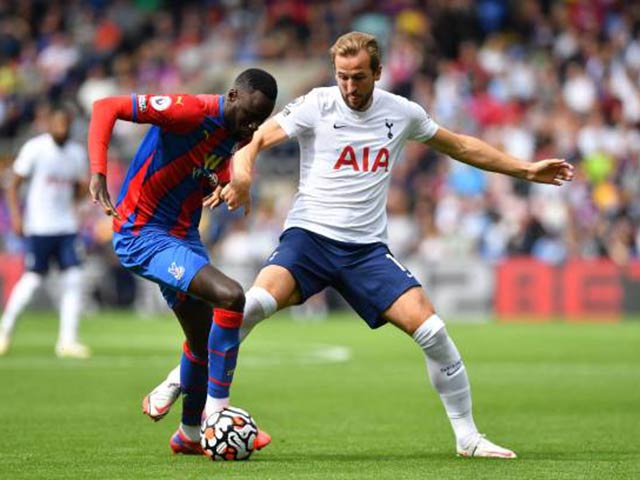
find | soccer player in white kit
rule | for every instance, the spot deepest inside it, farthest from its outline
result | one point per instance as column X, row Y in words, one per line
column 57, row 170
column 350, row 137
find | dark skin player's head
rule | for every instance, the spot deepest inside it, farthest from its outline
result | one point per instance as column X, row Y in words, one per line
column 60, row 125
column 249, row 102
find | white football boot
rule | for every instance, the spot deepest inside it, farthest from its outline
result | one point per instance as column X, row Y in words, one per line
column 480, row 447
column 158, row 403
column 73, row 350
column 5, row 343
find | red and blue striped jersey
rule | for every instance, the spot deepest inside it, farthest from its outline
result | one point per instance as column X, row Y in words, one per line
column 184, row 155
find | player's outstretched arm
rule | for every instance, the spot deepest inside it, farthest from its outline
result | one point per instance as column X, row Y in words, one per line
column 477, row 153
column 237, row 192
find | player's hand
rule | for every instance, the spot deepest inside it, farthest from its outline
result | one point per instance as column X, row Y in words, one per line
column 237, row 193
column 554, row 171
column 100, row 194
column 212, row 200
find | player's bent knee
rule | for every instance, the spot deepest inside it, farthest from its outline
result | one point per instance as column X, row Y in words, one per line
column 410, row 310
column 230, row 296
column 32, row 279
column 217, row 289
column 72, row 278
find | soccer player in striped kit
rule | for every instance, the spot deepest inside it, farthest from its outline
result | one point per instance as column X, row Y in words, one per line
column 183, row 158
column 350, row 137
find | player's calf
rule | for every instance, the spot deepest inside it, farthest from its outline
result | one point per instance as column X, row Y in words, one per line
column 224, row 343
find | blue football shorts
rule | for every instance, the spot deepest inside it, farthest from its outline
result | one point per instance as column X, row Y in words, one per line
column 367, row 276
column 66, row 250
column 162, row 258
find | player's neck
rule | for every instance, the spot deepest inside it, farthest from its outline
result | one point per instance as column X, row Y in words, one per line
column 366, row 107
column 362, row 109
column 59, row 141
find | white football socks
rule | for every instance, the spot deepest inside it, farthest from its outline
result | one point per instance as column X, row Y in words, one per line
column 259, row 304
column 448, row 376
column 192, row 432
column 214, row 405
column 70, row 305
column 18, row 300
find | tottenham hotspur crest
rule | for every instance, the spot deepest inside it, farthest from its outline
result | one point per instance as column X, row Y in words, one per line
column 389, row 125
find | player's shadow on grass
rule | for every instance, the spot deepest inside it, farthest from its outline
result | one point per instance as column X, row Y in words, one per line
column 349, row 457
column 581, row 456
column 379, row 457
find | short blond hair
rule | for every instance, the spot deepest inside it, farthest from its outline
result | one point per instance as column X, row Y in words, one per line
column 351, row 43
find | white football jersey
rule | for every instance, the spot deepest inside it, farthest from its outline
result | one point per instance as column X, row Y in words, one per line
column 52, row 172
column 346, row 157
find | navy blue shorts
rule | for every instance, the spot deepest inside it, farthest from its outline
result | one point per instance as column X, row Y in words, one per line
column 162, row 258
column 42, row 249
column 367, row 276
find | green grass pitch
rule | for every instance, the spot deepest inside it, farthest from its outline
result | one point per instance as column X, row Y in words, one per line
column 341, row 402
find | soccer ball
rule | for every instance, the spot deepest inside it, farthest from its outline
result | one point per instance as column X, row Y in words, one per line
column 228, row 435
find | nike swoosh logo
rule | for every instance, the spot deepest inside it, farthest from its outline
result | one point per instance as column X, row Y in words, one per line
column 335, row 125
column 162, row 410
column 452, row 369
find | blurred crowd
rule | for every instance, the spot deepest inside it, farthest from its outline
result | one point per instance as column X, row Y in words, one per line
column 538, row 79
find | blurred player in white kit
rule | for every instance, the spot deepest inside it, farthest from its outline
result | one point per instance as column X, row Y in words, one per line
column 350, row 137
column 56, row 169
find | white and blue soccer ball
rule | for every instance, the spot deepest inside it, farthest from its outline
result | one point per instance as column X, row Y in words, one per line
column 229, row 435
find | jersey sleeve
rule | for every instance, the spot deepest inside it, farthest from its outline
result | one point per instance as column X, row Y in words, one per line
column 172, row 112
column 177, row 113
column 24, row 162
column 422, row 125
column 300, row 115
